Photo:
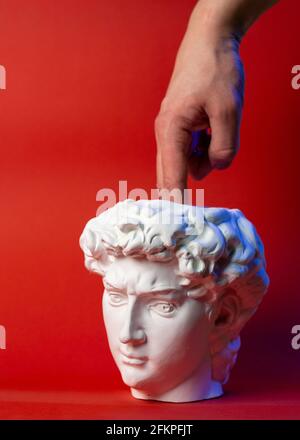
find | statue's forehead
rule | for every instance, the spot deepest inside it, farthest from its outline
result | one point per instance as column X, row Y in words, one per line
column 142, row 275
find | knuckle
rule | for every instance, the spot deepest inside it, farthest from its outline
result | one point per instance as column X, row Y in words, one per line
column 165, row 104
column 164, row 121
column 229, row 109
column 161, row 120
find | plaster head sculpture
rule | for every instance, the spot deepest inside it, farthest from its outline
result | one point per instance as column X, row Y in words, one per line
column 176, row 295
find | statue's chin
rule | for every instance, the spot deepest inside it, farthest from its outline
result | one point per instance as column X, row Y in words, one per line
column 135, row 382
column 148, row 385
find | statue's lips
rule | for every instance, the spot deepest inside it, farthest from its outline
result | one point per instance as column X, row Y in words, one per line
column 130, row 359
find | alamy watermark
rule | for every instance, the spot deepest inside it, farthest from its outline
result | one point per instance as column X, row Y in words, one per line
column 175, row 207
column 2, row 338
column 295, row 83
column 2, row 78
column 295, row 342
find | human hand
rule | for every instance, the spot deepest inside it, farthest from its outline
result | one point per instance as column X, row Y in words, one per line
column 205, row 91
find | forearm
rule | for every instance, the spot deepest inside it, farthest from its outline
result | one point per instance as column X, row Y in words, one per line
column 227, row 17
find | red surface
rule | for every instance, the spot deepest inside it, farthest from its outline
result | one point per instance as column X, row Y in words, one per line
column 120, row 406
column 84, row 83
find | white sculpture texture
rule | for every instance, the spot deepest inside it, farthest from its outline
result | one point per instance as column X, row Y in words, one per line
column 180, row 283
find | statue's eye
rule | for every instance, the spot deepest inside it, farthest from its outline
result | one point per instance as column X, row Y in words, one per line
column 164, row 308
column 117, row 299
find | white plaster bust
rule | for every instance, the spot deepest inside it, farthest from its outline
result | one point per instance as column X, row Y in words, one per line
column 177, row 293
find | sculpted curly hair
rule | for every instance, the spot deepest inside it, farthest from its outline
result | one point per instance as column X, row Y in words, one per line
column 218, row 252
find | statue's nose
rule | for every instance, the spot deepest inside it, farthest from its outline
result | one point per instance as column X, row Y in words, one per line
column 132, row 331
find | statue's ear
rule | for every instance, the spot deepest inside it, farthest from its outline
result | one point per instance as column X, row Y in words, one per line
column 225, row 317
column 228, row 310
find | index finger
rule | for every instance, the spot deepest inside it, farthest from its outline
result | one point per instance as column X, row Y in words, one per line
column 173, row 142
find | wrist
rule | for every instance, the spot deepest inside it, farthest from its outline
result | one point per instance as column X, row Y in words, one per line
column 226, row 19
column 210, row 26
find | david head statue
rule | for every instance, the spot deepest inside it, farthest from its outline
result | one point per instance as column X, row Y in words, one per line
column 179, row 285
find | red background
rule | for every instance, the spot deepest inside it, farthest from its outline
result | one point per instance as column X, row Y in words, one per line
column 84, row 83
